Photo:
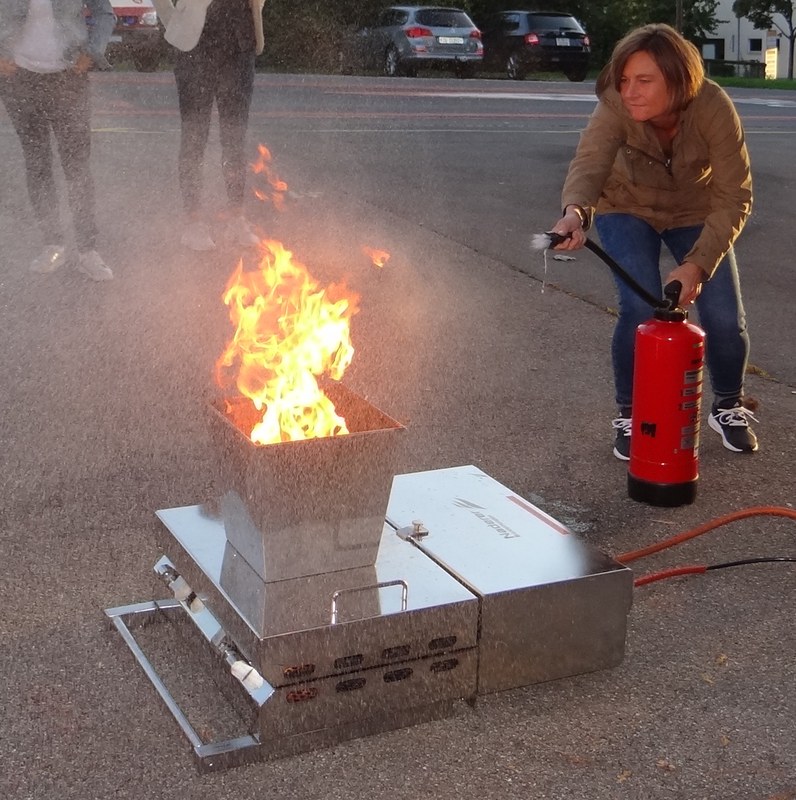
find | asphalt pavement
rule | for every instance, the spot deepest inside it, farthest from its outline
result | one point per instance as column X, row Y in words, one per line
column 487, row 356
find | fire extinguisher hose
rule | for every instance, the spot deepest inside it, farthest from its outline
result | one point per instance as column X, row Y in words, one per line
column 757, row 511
column 655, row 302
column 633, row 555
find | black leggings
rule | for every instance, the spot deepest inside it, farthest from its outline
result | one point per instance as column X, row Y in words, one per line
column 37, row 104
column 202, row 77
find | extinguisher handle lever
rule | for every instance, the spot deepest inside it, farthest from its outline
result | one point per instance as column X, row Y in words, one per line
column 672, row 293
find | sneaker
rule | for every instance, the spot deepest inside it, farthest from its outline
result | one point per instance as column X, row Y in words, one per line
column 733, row 426
column 196, row 236
column 622, row 427
column 91, row 264
column 240, row 232
column 52, row 257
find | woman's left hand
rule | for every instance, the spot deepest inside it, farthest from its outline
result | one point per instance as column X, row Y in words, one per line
column 691, row 277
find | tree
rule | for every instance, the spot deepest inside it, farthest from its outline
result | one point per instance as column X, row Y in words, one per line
column 765, row 14
column 699, row 17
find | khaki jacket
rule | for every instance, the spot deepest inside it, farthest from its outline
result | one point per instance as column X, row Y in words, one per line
column 619, row 166
column 184, row 19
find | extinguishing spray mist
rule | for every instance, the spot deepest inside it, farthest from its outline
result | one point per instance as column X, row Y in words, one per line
column 667, row 394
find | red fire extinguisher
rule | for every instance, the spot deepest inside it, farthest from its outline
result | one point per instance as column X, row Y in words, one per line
column 667, row 395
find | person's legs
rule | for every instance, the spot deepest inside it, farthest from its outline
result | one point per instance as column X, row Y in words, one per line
column 21, row 94
column 721, row 315
column 70, row 117
column 636, row 247
column 236, row 83
column 233, row 99
column 196, row 87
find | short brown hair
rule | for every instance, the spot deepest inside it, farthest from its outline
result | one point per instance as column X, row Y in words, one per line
column 678, row 59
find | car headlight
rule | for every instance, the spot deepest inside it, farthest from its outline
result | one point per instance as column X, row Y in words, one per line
column 149, row 18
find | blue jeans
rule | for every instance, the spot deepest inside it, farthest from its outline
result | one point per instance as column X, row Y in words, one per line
column 636, row 246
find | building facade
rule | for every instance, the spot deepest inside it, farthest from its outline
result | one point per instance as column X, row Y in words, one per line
column 737, row 40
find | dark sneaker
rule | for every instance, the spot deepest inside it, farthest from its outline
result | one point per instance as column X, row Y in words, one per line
column 733, row 426
column 622, row 440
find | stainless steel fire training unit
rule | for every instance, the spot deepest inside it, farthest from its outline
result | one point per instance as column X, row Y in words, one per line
column 331, row 599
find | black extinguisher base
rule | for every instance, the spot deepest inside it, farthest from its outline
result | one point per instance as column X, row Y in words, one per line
column 661, row 494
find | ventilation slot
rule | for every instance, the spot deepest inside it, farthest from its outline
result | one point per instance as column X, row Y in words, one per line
column 351, row 685
column 397, row 675
column 443, row 643
column 298, row 671
column 301, row 695
column 392, row 653
column 349, row 662
column 444, row 666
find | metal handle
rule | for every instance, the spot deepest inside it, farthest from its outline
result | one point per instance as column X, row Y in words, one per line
column 383, row 585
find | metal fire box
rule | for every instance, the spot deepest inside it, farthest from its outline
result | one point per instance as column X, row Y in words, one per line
column 551, row 605
column 331, row 600
column 310, row 506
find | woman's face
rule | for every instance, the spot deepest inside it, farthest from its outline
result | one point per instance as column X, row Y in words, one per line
column 643, row 89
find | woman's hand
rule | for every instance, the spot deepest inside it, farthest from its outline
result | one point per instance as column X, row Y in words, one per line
column 7, row 68
column 570, row 225
column 691, row 277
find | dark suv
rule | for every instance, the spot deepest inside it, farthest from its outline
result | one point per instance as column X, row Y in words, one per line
column 535, row 41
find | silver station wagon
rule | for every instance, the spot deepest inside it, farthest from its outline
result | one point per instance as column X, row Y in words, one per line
column 407, row 38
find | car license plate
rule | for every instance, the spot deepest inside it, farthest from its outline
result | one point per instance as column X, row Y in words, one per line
column 562, row 42
column 450, row 40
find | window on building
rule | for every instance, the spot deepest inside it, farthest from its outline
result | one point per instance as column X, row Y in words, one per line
column 755, row 45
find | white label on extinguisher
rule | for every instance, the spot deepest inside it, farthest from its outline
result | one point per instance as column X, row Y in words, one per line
column 692, row 376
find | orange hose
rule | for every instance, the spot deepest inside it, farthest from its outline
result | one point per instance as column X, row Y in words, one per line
column 696, row 569
column 771, row 511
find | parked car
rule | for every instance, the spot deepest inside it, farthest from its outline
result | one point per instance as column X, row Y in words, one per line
column 137, row 36
column 536, row 41
column 407, row 38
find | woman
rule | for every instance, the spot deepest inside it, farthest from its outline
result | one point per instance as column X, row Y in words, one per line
column 46, row 51
column 216, row 42
column 663, row 160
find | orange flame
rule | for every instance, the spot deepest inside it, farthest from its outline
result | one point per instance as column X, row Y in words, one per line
column 275, row 188
column 378, row 257
column 289, row 331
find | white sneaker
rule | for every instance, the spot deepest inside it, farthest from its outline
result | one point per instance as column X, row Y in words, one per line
column 52, row 257
column 91, row 264
column 240, row 231
column 197, row 236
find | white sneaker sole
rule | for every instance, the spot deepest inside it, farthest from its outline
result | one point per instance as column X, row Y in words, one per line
column 620, row 456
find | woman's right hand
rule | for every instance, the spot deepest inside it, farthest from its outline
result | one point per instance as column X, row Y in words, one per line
column 571, row 226
column 7, row 68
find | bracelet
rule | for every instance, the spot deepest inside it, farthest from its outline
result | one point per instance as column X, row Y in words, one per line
column 581, row 212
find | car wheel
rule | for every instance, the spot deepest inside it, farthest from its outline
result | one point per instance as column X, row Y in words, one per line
column 145, row 61
column 514, row 69
column 577, row 74
column 392, row 62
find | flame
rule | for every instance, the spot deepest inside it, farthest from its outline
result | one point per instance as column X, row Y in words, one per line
column 289, row 331
column 275, row 188
column 378, row 257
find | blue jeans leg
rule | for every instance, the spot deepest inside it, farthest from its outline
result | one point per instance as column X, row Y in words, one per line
column 721, row 315
column 636, row 246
